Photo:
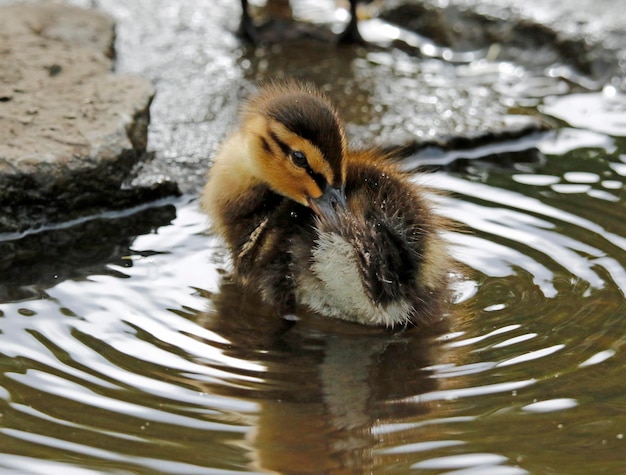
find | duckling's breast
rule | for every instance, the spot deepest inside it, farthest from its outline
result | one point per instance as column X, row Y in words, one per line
column 333, row 286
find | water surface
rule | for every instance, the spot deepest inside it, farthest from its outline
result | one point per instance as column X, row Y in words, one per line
column 124, row 348
column 151, row 362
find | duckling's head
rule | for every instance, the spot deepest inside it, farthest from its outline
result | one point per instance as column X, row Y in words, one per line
column 297, row 145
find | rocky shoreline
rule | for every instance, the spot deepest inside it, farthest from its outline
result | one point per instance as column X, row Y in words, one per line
column 74, row 134
column 71, row 131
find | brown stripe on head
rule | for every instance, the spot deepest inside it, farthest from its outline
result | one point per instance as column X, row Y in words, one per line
column 307, row 113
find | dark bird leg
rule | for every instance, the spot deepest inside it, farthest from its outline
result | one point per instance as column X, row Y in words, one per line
column 246, row 28
column 351, row 33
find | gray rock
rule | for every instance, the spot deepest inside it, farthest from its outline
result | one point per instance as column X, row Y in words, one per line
column 71, row 131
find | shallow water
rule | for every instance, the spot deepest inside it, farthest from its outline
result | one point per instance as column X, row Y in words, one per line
column 124, row 348
column 148, row 361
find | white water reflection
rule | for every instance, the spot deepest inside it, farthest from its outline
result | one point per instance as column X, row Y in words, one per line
column 603, row 112
column 461, row 461
column 567, row 139
column 551, row 405
column 598, row 358
column 527, row 222
column 532, row 355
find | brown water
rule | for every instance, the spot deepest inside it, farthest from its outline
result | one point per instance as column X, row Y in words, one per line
column 150, row 363
column 124, row 350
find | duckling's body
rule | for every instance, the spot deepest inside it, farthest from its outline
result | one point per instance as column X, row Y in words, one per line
column 311, row 223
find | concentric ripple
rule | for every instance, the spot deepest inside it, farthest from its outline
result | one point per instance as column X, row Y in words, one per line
column 153, row 362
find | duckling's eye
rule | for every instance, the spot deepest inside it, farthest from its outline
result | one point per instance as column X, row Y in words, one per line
column 299, row 159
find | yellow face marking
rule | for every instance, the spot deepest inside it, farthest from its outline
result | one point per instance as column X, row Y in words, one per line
column 270, row 147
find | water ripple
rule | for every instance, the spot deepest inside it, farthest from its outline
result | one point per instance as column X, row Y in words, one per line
column 153, row 361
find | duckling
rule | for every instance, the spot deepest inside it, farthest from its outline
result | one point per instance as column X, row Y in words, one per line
column 312, row 222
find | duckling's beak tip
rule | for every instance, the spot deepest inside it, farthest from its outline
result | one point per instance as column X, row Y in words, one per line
column 329, row 203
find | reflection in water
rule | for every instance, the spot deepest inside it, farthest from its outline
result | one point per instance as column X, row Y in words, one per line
column 43, row 259
column 326, row 388
column 601, row 112
column 164, row 365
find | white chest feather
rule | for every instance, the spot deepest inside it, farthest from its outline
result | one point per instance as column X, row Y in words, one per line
column 334, row 287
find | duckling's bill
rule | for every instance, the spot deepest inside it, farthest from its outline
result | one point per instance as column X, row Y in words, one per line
column 329, row 202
